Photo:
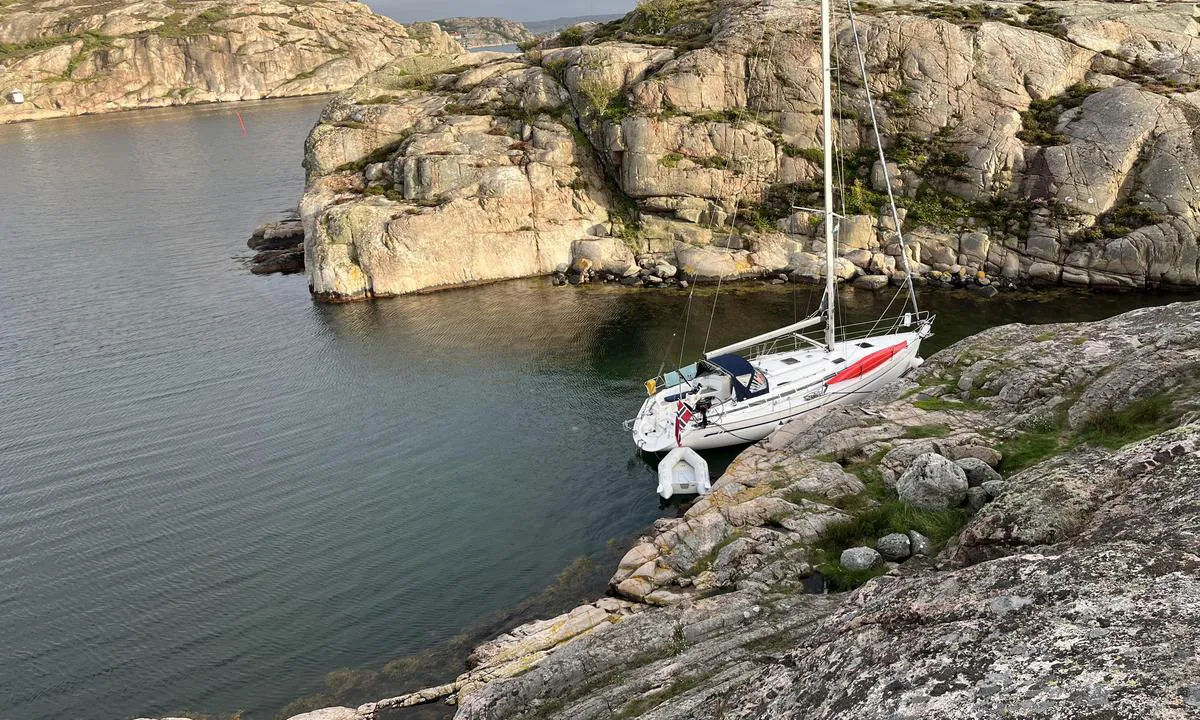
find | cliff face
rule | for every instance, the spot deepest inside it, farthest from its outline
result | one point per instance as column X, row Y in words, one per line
column 1050, row 143
column 1065, row 586
column 474, row 32
column 88, row 57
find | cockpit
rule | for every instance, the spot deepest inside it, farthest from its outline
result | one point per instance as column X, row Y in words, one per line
column 716, row 380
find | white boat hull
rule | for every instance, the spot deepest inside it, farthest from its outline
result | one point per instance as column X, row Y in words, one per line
column 805, row 391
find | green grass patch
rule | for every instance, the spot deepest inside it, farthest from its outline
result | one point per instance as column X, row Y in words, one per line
column 868, row 525
column 1138, row 421
column 838, row 578
column 1041, row 439
column 16, row 51
column 926, row 431
column 941, row 403
column 1027, row 450
column 890, row 516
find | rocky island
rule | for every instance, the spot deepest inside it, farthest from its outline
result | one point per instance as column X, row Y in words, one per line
column 1034, row 143
column 477, row 32
column 1008, row 532
column 86, row 57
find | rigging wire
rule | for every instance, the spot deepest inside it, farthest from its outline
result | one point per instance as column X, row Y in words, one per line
column 840, row 157
column 862, row 67
column 712, row 314
column 667, row 350
column 687, row 319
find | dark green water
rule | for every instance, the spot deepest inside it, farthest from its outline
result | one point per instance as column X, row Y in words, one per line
column 214, row 491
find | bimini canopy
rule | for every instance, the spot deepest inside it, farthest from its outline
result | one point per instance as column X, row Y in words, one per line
column 748, row 381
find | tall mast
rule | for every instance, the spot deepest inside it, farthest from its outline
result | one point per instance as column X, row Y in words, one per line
column 827, row 147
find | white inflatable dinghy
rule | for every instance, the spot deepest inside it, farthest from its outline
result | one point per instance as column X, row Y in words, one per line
column 683, row 472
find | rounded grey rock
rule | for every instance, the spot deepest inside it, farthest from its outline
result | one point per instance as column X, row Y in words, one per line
column 871, row 282
column 976, row 498
column 860, row 558
column 933, row 482
column 895, row 546
column 993, row 488
column 978, row 472
column 920, row 544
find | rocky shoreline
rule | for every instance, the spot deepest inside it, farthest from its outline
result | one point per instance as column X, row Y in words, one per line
column 1010, row 529
column 692, row 139
column 79, row 58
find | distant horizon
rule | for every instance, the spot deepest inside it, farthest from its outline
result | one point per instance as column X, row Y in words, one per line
column 408, row 11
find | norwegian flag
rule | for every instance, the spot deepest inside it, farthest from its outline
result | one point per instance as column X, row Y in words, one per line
column 683, row 415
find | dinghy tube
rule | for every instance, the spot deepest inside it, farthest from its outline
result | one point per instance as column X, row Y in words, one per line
column 683, row 472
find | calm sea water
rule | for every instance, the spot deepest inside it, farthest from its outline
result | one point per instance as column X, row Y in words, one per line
column 214, row 491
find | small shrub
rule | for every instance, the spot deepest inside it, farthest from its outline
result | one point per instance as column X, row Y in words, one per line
column 1038, row 123
column 714, row 162
column 571, row 37
column 598, row 93
column 966, row 15
column 816, row 156
column 1122, row 220
column 1043, row 19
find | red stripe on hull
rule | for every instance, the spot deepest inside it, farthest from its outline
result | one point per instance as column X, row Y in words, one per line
column 867, row 364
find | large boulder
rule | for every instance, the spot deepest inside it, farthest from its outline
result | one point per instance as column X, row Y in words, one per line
column 603, row 254
column 933, row 482
column 978, row 472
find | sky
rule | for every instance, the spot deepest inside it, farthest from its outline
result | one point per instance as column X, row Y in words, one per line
column 413, row 10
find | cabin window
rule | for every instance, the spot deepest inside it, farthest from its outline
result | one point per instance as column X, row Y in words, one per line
column 790, row 361
column 865, row 345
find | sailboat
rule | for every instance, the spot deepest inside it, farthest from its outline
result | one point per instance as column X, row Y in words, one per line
column 743, row 392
